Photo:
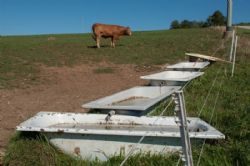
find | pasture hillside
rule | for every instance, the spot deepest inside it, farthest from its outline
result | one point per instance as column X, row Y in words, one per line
column 22, row 56
column 216, row 97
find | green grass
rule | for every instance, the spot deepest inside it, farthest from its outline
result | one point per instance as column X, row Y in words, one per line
column 28, row 149
column 21, row 56
column 231, row 114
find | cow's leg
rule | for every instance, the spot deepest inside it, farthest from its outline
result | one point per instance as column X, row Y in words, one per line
column 115, row 38
column 113, row 42
column 97, row 41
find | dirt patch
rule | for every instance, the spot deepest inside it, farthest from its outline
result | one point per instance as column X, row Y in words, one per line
column 65, row 90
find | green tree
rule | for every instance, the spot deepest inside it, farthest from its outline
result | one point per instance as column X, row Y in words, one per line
column 216, row 19
column 186, row 24
column 175, row 24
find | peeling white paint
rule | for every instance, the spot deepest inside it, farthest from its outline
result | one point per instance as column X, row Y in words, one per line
column 90, row 136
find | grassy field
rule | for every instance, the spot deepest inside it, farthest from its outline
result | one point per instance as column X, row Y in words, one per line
column 20, row 58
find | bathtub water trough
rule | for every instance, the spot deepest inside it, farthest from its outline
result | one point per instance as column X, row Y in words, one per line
column 134, row 101
column 91, row 136
column 187, row 66
column 171, row 78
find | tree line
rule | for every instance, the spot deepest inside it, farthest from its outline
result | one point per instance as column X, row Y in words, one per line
column 216, row 19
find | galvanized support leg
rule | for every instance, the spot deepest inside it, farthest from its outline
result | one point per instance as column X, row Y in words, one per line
column 180, row 110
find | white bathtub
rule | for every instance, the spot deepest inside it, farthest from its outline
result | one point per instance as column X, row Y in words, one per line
column 188, row 66
column 171, row 78
column 91, row 136
column 133, row 101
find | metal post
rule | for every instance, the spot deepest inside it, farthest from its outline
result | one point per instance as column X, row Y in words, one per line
column 229, row 15
column 235, row 46
column 180, row 109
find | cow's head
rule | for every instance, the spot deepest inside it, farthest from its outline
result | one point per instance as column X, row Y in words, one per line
column 128, row 31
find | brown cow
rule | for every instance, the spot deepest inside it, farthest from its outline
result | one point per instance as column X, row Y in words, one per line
column 109, row 31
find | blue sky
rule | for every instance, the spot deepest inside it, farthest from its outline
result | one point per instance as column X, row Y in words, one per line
column 26, row 17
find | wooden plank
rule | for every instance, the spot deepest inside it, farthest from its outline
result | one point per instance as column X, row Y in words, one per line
column 210, row 58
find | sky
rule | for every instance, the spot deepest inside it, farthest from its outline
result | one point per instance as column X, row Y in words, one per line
column 28, row 17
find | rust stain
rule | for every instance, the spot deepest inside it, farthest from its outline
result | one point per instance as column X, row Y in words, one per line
column 60, row 131
column 77, row 151
column 128, row 99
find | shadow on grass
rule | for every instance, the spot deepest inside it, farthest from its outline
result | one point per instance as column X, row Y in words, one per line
column 106, row 46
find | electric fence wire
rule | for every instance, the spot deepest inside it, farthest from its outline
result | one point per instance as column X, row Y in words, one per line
column 210, row 89
column 210, row 120
column 205, row 101
column 141, row 139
